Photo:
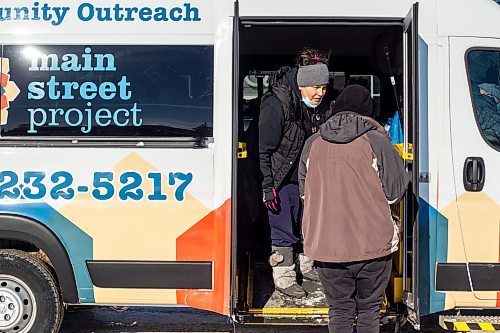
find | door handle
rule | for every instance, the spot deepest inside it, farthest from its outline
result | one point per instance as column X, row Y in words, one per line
column 474, row 174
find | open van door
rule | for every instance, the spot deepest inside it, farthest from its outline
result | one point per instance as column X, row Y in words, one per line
column 239, row 151
column 410, row 153
column 475, row 133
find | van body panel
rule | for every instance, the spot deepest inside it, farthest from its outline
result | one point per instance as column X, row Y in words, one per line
column 325, row 8
column 468, row 18
column 192, row 225
column 177, row 18
column 433, row 232
column 117, row 229
column 474, row 225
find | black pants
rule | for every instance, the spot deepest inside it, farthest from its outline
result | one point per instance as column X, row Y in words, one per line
column 355, row 289
column 286, row 225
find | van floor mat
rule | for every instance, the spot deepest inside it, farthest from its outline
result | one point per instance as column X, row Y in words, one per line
column 264, row 295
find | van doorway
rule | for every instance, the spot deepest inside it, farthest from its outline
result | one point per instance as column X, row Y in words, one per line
column 368, row 53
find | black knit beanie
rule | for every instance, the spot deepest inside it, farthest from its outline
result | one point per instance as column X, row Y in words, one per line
column 354, row 98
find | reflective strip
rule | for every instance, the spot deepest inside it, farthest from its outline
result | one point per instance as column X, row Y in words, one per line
column 487, row 327
column 468, row 326
column 290, row 310
column 461, row 327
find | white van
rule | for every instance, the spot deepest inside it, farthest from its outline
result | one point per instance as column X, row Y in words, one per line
column 122, row 124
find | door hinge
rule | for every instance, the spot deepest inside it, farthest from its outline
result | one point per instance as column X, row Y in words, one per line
column 406, row 154
column 425, row 177
column 242, row 150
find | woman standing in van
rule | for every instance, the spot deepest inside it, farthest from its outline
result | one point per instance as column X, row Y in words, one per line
column 291, row 111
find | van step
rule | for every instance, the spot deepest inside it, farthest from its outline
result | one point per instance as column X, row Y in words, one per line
column 285, row 316
column 470, row 323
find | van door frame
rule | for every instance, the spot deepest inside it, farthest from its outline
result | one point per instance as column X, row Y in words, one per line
column 234, row 176
column 411, row 109
column 410, row 28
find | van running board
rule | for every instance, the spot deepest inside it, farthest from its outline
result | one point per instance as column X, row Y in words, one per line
column 285, row 316
column 470, row 323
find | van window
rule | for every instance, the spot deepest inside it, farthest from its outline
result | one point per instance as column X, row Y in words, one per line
column 107, row 91
column 251, row 86
column 370, row 82
column 483, row 68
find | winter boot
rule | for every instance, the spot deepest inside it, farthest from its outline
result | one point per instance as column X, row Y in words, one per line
column 307, row 268
column 284, row 276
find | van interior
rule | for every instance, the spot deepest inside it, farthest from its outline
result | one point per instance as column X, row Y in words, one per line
column 365, row 53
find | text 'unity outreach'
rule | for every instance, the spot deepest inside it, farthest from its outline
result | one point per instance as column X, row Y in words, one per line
column 88, row 12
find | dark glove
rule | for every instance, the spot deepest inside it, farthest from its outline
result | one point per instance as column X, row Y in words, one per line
column 271, row 200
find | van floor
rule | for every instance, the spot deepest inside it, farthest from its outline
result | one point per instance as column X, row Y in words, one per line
column 264, row 295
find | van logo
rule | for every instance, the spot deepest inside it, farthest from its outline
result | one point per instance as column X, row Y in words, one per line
column 8, row 92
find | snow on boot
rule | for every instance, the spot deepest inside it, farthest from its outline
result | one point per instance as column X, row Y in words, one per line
column 307, row 268
column 284, row 275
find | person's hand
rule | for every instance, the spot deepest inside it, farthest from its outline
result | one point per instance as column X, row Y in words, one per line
column 271, row 200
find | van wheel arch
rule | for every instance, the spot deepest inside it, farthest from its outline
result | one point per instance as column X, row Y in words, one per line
column 18, row 228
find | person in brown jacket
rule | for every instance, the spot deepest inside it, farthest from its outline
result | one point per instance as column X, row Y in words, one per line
column 349, row 173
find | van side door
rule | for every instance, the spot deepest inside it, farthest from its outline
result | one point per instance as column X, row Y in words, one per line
column 474, row 243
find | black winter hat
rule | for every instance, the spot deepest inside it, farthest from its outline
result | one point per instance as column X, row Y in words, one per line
column 354, row 98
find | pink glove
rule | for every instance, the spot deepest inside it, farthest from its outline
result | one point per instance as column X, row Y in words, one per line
column 271, row 200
